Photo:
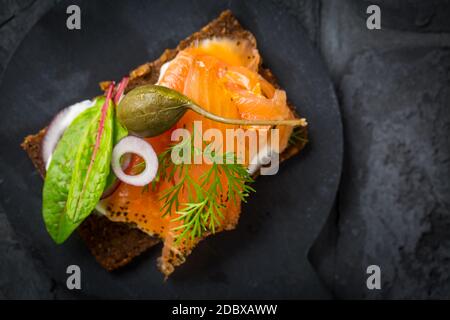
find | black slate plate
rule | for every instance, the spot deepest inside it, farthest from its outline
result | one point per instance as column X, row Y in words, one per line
column 266, row 256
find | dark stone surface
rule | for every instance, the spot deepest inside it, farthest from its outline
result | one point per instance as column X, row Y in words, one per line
column 16, row 19
column 394, row 201
column 21, row 272
column 343, row 35
column 393, row 204
column 23, row 281
column 411, row 15
column 307, row 13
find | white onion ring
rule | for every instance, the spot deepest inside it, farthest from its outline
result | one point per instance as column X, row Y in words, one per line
column 142, row 148
column 57, row 127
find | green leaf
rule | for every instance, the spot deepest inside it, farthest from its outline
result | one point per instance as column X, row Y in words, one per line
column 91, row 167
column 58, row 178
column 78, row 171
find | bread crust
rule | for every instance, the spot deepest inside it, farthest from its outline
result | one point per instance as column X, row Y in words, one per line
column 115, row 244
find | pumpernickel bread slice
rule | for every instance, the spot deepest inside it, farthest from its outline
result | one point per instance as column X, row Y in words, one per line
column 115, row 244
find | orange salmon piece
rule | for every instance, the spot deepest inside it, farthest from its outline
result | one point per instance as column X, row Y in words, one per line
column 221, row 75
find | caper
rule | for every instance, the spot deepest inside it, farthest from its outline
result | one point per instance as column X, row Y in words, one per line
column 150, row 110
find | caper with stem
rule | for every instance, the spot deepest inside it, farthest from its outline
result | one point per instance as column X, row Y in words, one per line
column 149, row 110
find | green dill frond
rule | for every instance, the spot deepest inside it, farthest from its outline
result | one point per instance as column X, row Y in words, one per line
column 298, row 135
column 204, row 210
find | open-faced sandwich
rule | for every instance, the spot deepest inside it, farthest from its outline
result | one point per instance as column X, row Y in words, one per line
column 158, row 157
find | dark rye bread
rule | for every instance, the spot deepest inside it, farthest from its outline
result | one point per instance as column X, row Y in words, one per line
column 115, row 244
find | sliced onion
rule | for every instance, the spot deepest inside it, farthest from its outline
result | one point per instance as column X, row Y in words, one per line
column 142, row 148
column 57, row 127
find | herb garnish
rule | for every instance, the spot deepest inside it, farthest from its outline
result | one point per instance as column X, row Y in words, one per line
column 299, row 134
column 204, row 210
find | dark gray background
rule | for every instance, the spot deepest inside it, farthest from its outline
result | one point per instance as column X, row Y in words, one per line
column 393, row 205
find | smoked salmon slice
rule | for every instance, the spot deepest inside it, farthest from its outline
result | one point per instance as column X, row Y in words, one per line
column 221, row 75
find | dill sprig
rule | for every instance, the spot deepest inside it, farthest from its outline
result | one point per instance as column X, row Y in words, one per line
column 203, row 212
column 298, row 135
